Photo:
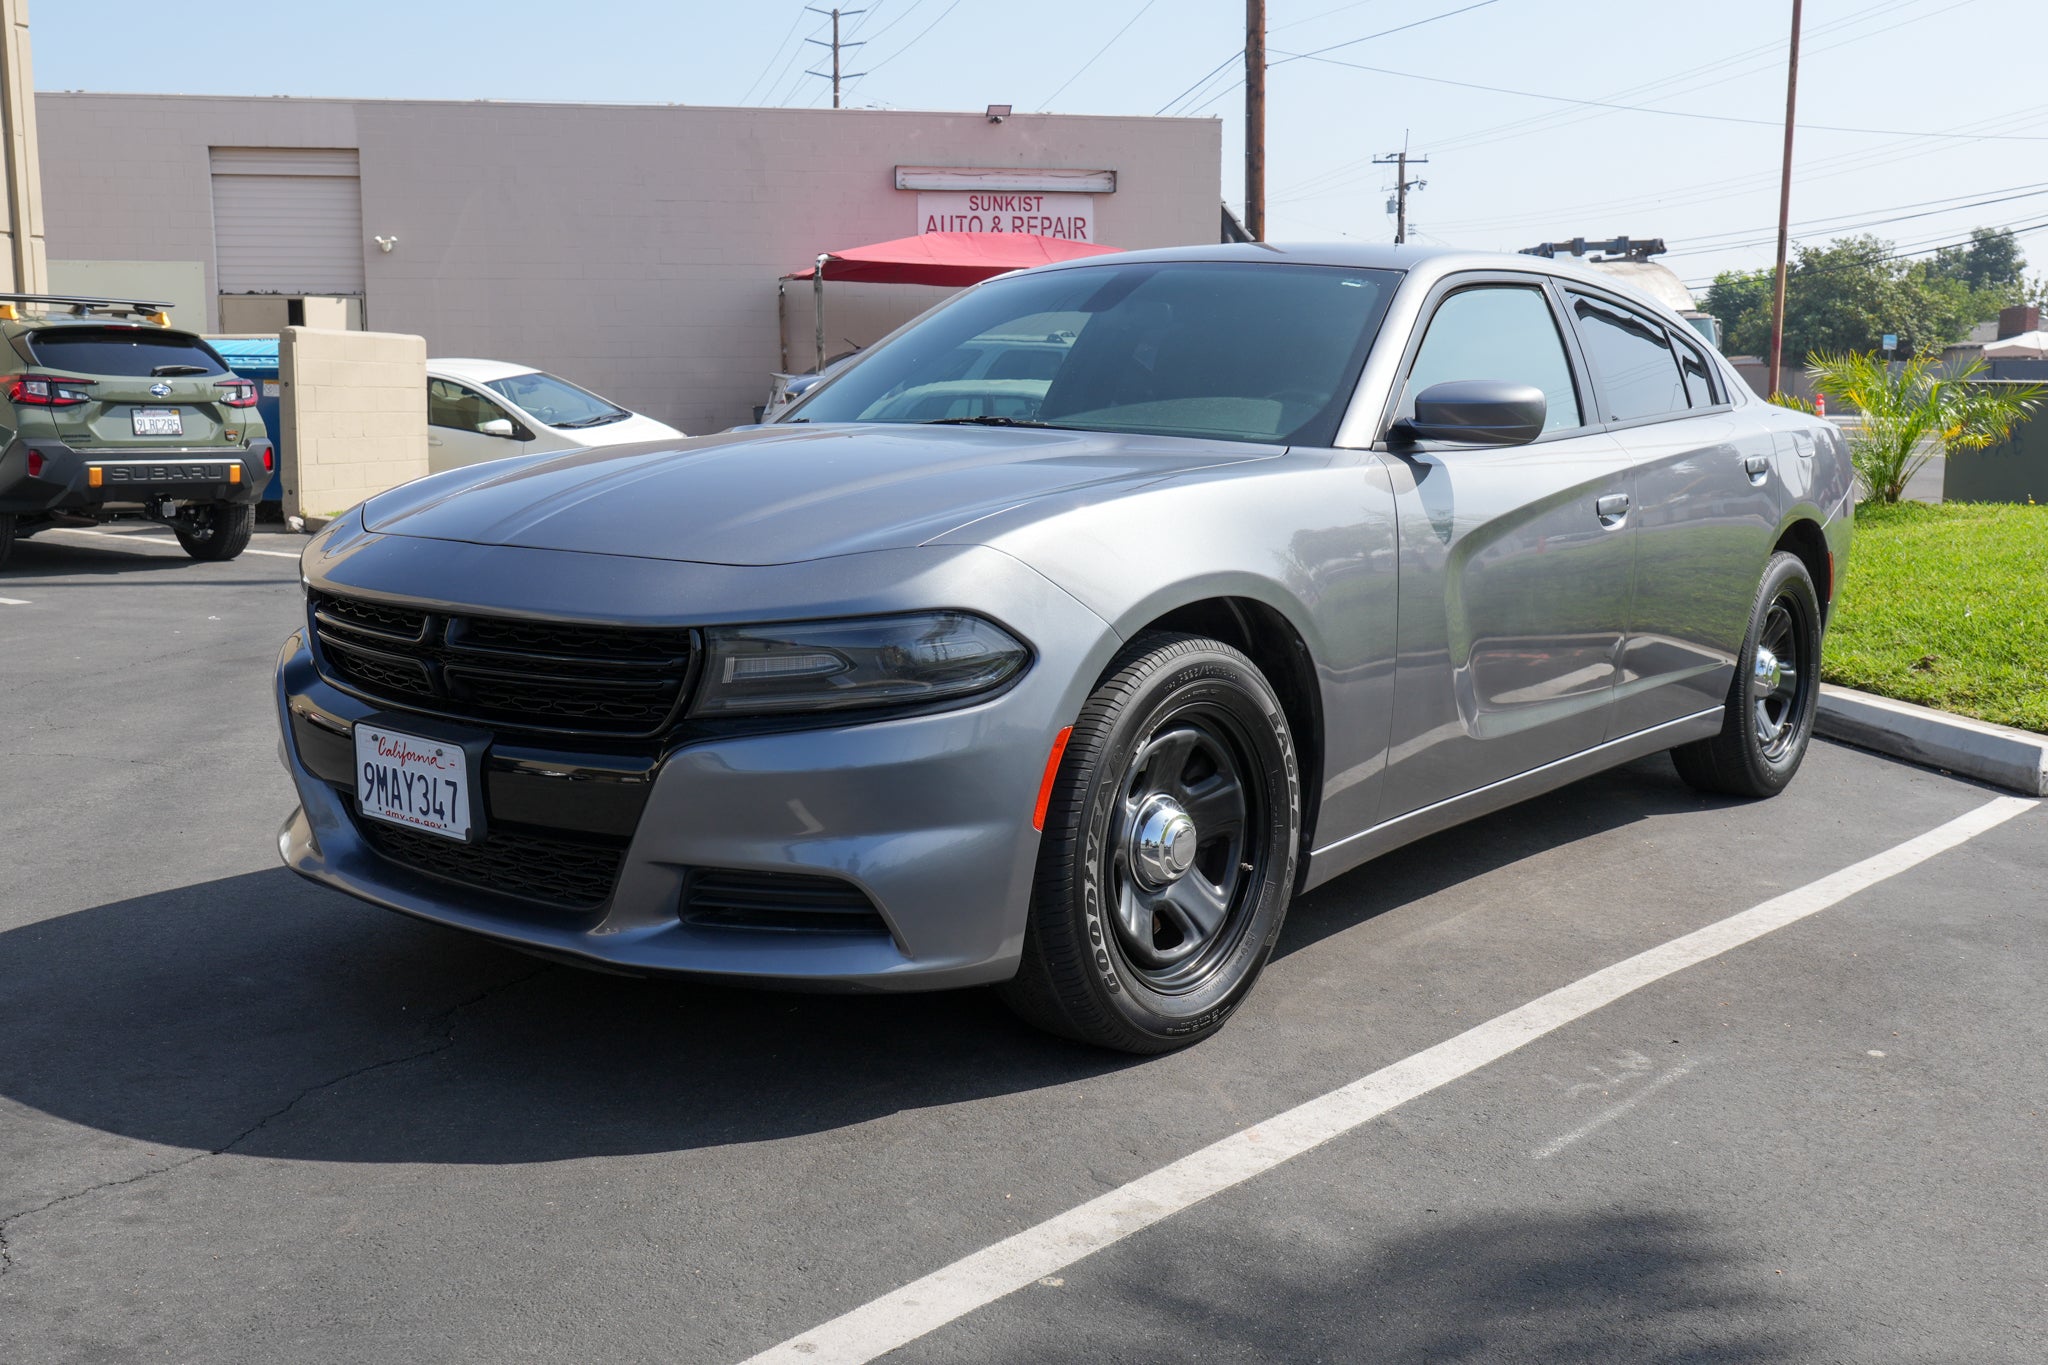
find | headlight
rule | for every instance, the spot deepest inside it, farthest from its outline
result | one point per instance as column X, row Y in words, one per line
column 838, row 665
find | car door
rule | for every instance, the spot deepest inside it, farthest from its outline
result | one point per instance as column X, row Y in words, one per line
column 1514, row 562
column 1702, row 501
column 456, row 417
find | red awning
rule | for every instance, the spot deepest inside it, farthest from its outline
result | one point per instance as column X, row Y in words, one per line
column 949, row 258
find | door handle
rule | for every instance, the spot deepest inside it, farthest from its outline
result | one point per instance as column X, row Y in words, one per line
column 1613, row 508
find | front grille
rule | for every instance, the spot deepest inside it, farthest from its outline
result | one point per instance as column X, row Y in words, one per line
column 573, row 874
column 731, row 899
column 530, row 675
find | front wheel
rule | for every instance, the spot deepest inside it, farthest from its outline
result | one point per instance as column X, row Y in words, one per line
column 218, row 530
column 1775, row 695
column 1171, row 841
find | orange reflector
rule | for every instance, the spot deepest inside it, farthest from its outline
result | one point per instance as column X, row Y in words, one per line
column 93, row 477
column 235, row 472
column 1052, row 770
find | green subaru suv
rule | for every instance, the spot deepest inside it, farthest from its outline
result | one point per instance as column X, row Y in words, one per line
column 110, row 411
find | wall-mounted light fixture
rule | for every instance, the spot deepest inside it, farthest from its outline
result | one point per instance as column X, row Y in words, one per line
column 998, row 112
column 384, row 244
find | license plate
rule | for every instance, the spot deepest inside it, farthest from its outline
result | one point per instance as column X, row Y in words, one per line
column 159, row 422
column 412, row 781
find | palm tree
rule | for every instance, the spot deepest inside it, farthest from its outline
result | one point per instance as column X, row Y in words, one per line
column 1906, row 407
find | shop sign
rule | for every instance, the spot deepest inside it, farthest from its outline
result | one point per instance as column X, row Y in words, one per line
column 1066, row 217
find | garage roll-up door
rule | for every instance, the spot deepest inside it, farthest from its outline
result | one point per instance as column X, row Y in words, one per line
column 287, row 220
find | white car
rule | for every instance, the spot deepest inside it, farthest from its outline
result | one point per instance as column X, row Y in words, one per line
column 488, row 410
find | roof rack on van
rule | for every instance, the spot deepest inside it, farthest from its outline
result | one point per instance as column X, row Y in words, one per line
column 85, row 304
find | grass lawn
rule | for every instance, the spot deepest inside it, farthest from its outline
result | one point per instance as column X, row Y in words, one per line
column 1947, row 606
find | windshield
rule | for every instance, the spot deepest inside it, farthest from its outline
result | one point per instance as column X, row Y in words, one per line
column 1236, row 351
column 557, row 402
column 124, row 352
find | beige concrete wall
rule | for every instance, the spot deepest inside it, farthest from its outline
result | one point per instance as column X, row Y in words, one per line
column 23, row 260
column 355, row 407
column 632, row 249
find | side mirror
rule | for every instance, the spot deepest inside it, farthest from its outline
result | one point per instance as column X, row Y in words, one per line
column 498, row 426
column 1479, row 412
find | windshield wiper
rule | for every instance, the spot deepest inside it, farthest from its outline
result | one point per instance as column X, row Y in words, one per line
column 598, row 421
column 983, row 420
column 168, row 371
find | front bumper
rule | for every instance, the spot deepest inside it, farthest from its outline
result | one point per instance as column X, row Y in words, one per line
column 89, row 480
column 929, row 816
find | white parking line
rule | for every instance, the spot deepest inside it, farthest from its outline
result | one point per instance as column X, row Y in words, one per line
column 147, row 539
column 15, row 602
column 974, row 1281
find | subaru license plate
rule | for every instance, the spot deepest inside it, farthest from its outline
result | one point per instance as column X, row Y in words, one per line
column 159, row 422
column 412, row 781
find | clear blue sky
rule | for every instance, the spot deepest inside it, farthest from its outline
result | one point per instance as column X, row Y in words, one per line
column 1507, row 170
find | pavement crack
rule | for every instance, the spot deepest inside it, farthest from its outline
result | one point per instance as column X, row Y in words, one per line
column 442, row 1023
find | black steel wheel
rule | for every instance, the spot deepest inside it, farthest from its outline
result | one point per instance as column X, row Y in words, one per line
column 1774, row 696
column 1169, row 854
column 217, row 531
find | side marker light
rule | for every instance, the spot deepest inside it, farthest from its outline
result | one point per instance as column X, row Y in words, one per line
column 1052, row 770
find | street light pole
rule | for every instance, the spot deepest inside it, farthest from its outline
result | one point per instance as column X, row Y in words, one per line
column 1777, row 356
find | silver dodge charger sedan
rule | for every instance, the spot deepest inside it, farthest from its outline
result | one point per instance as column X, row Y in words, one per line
column 1067, row 634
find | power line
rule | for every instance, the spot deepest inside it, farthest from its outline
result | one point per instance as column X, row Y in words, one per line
column 1812, row 227
column 1098, row 53
column 1896, row 253
column 1214, row 72
column 914, row 41
column 1342, row 177
column 1668, row 113
column 774, row 53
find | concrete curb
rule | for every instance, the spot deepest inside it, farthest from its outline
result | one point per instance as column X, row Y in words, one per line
column 2013, row 759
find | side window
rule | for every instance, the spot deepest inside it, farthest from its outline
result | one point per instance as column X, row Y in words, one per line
column 452, row 405
column 1699, row 375
column 1504, row 332
column 1633, row 361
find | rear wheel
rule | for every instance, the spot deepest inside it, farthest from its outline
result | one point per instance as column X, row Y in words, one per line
column 1169, row 855
column 1775, row 695
column 219, row 530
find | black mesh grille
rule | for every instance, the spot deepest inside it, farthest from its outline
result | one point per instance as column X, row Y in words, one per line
column 574, row 874
column 728, row 898
column 534, row 675
column 397, row 622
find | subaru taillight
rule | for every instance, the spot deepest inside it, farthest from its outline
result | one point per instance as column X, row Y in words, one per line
column 269, row 459
column 237, row 393
column 35, row 464
column 47, row 391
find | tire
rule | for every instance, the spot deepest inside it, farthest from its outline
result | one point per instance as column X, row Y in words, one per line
column 1120, row 950
column 6, row 537
column 223, row 534
column 1769, row 719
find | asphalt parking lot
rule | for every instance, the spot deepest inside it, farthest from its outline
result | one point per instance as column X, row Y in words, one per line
column 246, row 1119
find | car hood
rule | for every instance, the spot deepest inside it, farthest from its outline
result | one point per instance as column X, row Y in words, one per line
column 777, row 495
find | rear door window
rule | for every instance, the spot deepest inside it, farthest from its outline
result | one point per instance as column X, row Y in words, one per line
column 123, row 352
column 1635, row 365
column 1699, row 375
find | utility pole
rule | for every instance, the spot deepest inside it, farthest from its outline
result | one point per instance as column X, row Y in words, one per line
column 1255, row 119
column 1403, row 184
column 1777, row 357
column 835, row 45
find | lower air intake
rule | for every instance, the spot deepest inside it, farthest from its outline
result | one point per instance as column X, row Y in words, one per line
column 727, row 898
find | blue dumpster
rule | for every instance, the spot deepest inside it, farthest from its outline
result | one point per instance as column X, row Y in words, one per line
column 256, row 358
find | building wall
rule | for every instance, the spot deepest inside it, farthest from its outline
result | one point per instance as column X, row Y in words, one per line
column 633, row 249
